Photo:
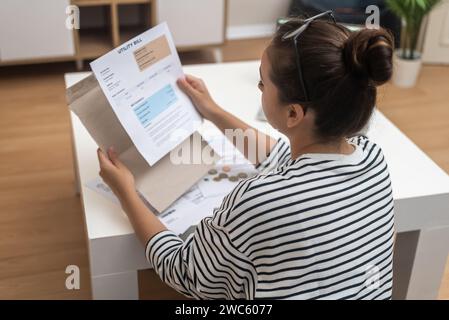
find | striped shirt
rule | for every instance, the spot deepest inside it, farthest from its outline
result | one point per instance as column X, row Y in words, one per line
column 316, row 227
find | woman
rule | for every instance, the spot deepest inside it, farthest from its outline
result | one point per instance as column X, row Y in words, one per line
column 318, row 221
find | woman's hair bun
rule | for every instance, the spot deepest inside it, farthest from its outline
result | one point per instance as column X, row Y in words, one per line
column 369, row 53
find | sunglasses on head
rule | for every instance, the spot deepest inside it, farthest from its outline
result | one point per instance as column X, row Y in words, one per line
column 295, row 35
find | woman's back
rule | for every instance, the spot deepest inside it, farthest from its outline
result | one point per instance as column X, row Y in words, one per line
column 319, row 226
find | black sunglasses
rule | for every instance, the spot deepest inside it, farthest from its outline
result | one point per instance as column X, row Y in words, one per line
column 295, row 34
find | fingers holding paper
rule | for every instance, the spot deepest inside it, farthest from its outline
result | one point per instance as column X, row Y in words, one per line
column 115, row 174
column 197, row 91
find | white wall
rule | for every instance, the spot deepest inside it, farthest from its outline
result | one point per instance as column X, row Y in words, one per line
column 254, row 18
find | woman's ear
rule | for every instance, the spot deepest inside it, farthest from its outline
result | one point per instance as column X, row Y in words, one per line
column 295, row 114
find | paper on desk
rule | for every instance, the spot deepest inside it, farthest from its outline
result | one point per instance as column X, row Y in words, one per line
column 139, row 80
column 184, row 213
column 102, row 188
column 211, row 187
column 203, row 197
column 189, row 210
column 231, row 158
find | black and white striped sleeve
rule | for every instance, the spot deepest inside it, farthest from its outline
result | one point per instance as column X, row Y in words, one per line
column 206, row 266
column 278, row 156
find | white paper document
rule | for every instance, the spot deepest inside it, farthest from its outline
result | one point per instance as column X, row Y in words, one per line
column 224, row 178
column 184, row 213
column 139, row 81
column 189, row 210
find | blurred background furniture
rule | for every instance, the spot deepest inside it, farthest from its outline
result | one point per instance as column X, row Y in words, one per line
column 348, row 12
column 26, row 37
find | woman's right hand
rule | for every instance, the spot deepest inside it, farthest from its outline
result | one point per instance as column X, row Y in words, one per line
column 200, row 96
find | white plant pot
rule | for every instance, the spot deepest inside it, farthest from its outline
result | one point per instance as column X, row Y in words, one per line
column 406, row 72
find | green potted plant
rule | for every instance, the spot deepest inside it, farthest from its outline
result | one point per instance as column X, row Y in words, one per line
column 408, row 58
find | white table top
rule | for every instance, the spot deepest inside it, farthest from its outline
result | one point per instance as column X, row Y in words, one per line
column 234, row 87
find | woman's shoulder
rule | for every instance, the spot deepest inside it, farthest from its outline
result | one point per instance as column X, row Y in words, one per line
column 279, row 154
column 361, row 140
column 367, row 145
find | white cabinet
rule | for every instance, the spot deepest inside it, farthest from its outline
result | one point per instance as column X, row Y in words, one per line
column 31, row 29
column 195, row 22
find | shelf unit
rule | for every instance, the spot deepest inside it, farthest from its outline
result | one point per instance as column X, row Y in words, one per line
column 91, row 43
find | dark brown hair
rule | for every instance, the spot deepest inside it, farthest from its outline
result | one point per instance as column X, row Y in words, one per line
column 341, row 70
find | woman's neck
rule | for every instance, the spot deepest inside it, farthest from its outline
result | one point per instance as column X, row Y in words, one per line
column 304, row 144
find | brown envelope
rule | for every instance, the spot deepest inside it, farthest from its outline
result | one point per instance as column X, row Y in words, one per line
column 162, row 183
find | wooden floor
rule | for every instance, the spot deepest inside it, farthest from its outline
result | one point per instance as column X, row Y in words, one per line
column 41, row 225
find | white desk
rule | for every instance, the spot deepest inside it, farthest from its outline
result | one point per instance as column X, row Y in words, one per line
column 420, row 188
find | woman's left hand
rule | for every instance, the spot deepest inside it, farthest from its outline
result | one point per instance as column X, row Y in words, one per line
column 115, row 174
